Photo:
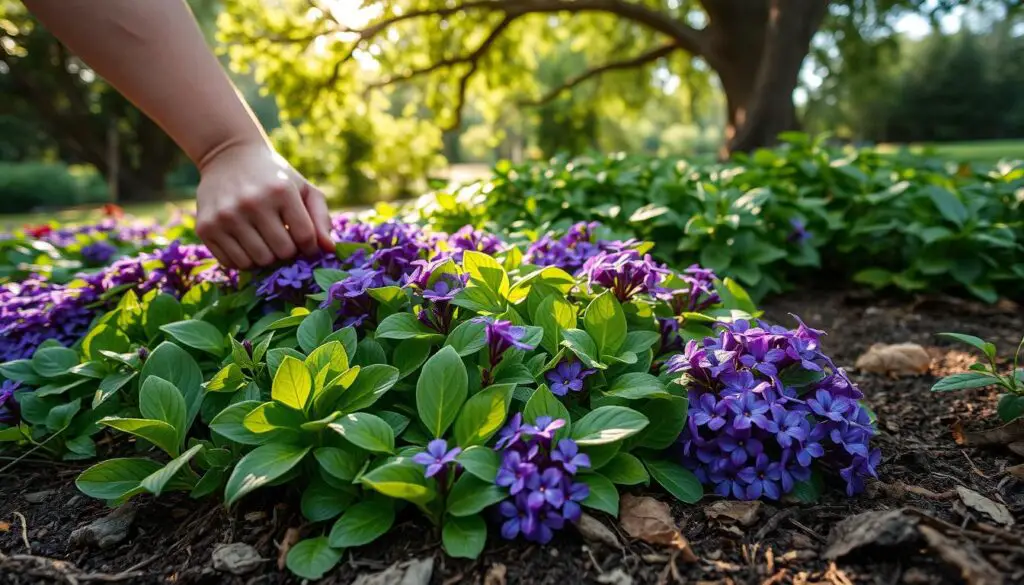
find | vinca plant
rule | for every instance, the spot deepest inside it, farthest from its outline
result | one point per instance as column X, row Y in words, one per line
column 987, row 373
column 486, row 387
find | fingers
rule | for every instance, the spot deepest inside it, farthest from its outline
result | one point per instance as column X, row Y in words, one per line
column 220, row 255
column 272, row 230
column 300, row 226
column 316, row 206
column 252, row 244
column 234, row 252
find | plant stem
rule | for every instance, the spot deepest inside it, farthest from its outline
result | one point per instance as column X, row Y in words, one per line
column 30, row 451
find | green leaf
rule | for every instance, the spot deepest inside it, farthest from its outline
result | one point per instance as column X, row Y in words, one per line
column 162, row 309
column 274, row 417
column 948, row 204
column 339, row 463
column 479, row 299
column 366, row 431
column 808, row 492
column 640, row 341
column 410, row 354
column 261, row 466
column 400, row 479
column 580, row 343
column 470, row 495
column 197, row 334
column 209, row 483
column 325, row 277
column 1010, row 407
column 313, row 329
column 293, row 384
column 544, row 403
column 348, row 339
column 104, row 337
column 156, row 482
column 157, row 432
column 625, row 469
column 230, row 423
column 667, row 417
column 554, row 314
column 441, row 389
column 487, row 271
column 874, row 277
column 468, row 338
column 464, row 537
column 608, row 424
column 229, row 379
column 679, row 482
column 322, row 502
column 114, row 478
column 20, row 371
column 312, row 558
column 989, row 349
column 483, row 462
column 483, row 415
column 637, row 385
column 605, row 322
column 372, row 383
column 363, row 523
column 275, row 358
column 51, row 362
column 60, row 416
column 603, row 495
column 160, row 400
column 964, row 382
column 170, row 362
column 405, row 326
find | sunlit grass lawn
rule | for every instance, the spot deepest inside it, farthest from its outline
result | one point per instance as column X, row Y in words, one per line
column 982, row 151
column 159, row 210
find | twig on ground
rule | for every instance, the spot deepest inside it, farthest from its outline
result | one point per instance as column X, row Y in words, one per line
column 927, row 493
column 810, row 532
column 24, row 531
column 973, row 466
column 773, row 523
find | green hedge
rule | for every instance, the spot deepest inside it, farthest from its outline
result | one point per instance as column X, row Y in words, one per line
column 27, row 186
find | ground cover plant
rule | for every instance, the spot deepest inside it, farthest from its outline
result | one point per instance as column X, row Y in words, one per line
column 469, row 380
column 777, row 218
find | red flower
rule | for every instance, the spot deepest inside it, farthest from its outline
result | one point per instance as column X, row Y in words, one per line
column 38, row 231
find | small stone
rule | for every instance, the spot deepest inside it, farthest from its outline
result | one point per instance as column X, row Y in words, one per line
column 107, row 531
column 236, row 558
column 39, row 497
column 74, row 501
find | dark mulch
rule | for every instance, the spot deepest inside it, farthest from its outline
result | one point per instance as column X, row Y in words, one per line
column 173, row 537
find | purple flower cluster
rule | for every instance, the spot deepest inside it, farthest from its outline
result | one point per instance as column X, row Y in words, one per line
column 98, row 253
column 437, row 312
column 137, row 233
column 752, row 431
column 570, row 251
column 10, row 414
column 468, row 238
column 34, row 310
column 539, row 477
column 625, row 273
column 437, row 458
column 501, row 337
column 567, row 377
column 291, row 283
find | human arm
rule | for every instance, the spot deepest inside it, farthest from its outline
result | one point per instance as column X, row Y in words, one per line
column 253, row 208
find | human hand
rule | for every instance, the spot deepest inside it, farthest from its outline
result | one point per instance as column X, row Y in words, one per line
column 254, row 209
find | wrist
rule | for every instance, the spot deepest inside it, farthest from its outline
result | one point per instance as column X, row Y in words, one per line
column 228, row 148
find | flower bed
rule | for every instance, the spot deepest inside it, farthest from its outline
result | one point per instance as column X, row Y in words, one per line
column 477, row 382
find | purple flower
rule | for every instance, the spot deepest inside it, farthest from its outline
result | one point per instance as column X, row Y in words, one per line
column 762, row 478
column 799, row 233
column 567, row 377
column 510, row 433
column 98, row 253
column 436, row 457
column 469, row 239
column 544, row 427
column 748, row 409
column 709, row 412
column 546, row 487
column 514, row 472
column 831, row 407
column 626, row 273
column 788, row 426
column 568, row 454
column 10, row 414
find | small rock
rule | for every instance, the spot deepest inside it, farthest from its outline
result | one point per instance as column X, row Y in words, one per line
column 39, row 497
column 416, row 572
column 236, row 558
column 901, row 359
column 496, row 575
column 595, row 532
column 107, row 531
column 74, row 501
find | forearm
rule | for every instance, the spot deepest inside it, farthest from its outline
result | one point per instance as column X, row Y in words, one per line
column 153, row 52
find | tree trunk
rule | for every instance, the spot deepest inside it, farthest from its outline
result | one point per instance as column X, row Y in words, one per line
column 757, row 49
column 141, row 186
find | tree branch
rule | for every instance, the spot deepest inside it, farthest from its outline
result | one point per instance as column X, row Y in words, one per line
column 474, row 61
column 639, row 60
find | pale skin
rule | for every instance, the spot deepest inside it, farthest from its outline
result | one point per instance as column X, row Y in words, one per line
column 253, row 208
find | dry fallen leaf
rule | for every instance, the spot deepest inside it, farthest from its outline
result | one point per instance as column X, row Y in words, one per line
column 5, row 527
column 745, row 513
column 1004, row 435
column 496, row 575
column 615, row 577
column 973, row 567
column 980, row 503
column 414, row 572
column 874, row 528
column 649, row 520
column 1016, row 471
column 291, row 537
column 901, row 359
column 593, row 531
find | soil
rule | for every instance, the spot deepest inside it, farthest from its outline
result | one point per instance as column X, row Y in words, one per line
column 923, row 466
